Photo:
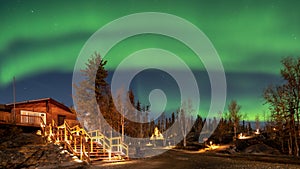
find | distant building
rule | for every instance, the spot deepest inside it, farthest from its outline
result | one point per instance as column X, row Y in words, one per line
column 35, row 112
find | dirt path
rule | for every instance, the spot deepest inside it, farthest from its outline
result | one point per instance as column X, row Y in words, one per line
column 179, row 160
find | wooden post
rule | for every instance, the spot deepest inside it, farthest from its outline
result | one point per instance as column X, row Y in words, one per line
column 65, row 134
column 81, row 148
column 50, row 130
column 109, row 154
column 91, row 140
column 103, row 146
column 58, row 135
column 119, row 145
column 110, row 149
column 127, row 152
column 75, row 146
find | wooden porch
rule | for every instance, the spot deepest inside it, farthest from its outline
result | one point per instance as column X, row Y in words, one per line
column 21, row 120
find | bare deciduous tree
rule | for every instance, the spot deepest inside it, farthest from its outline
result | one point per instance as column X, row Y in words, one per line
column 234, row 115
column 185, row 119
column 284, row 101
column 257, row 125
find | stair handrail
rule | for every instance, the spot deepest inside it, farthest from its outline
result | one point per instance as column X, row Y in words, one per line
column 70, row 135
column 51, row 134
column 120, row 145
column 83, row 154
column 102, row 139
column 108, row 143
column 76, row 129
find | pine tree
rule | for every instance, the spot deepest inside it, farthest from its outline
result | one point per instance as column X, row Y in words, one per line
column 90, row 86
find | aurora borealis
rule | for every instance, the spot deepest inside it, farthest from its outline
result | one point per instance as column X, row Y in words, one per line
column 41, row 40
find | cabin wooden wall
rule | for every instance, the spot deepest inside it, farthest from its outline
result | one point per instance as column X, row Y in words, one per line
column 36, row 107
column 5, row 117
column 55, row 110
column 51, row 109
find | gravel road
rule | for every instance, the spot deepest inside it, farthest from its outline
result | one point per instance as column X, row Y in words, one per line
column 175, row 159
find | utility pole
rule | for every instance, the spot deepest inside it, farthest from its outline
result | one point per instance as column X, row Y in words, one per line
column 14, row 95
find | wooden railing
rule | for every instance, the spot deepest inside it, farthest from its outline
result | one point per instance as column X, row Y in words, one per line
column 21, row 119
column 69, row 136
column 78, row 130
column 118, row 145
column 100, row 138
column 51, row 131
column 29, row 120
column 113, row 144
column 75, row 137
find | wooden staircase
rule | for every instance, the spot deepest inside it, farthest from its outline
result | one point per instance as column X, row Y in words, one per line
column 88, row 146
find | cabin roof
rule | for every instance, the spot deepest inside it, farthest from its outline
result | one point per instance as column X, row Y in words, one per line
column 61, row 105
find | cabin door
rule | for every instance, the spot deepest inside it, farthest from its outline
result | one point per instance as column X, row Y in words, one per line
column 60, row 119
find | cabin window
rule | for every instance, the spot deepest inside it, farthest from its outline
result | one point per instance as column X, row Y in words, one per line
column 60, row 119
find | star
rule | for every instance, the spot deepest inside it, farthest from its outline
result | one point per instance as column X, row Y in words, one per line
column 35, row 11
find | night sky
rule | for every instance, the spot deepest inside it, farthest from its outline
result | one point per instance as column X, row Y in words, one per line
column 41, row 40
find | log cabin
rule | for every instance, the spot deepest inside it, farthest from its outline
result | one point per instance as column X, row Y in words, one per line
column 35, row 112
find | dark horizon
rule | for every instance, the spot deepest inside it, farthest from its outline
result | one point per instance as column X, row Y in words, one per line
column 47, row 85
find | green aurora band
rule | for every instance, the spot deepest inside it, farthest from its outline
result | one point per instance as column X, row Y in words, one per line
column 250, row 36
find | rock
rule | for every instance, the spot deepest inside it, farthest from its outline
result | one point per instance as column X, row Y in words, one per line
column 261, row 149
column 27, row 150
column 39, row 133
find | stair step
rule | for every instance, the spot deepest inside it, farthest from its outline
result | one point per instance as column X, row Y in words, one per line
column 98, row 152
column 106, row 159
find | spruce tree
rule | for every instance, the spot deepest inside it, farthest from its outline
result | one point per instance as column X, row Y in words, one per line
column 91, row 86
